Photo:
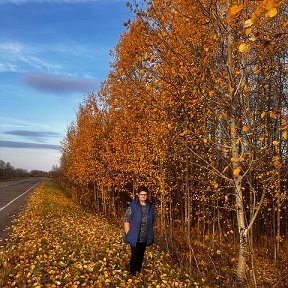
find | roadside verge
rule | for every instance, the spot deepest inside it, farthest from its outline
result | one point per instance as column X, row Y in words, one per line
column 56, row 243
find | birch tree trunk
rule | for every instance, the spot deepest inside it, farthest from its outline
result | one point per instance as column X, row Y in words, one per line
column 241, row 267
column 241, row 275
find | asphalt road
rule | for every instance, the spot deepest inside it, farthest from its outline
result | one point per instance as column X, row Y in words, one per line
column 13, row 196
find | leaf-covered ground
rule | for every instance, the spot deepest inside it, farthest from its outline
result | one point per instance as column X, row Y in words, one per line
column 55, row 243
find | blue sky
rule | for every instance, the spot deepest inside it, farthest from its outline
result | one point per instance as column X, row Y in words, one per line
column 52, row 54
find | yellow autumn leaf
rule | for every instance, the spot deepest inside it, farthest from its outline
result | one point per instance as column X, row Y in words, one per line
column 236, row 171
column 275, row 143
column 245, row 128
column 205, row 140
column 253, row 39
column 223, row 115
column 62, row 264
column 216, row 185
column 285, row 135
column 243, row 48
column 225, row 168
column 248, row 23
column 248, row 31
column 263, row 114
column 185, row 132
column 225, row 150
column 233, row 159
column 271, row 13
column 233, row 11
column 273, row 114
column 277, row 164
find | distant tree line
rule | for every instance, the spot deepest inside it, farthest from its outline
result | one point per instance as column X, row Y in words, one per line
column 7, row 171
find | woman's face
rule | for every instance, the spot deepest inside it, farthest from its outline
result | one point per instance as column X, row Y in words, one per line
column 143, row 196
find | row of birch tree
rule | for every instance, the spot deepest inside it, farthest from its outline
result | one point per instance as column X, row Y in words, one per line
column 195, row 108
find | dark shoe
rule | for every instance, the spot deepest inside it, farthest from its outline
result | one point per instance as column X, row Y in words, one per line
column 131, row 273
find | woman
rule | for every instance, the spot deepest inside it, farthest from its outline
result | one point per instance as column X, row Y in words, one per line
column 138, row 226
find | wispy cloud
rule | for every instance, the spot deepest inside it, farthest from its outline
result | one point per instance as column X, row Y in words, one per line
column 17, row 57
column 59, row 83
column 19, row 123
column 32, row 133
column 22, row 57
column 38, row 136
column 12, row 144
column 7, row 67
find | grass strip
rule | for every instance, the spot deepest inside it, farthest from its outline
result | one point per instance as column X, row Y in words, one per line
column 56, row 243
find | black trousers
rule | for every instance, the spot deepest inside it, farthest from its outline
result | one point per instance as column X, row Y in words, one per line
column 137, row 256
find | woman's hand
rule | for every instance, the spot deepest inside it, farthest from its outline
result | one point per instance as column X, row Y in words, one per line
column 126, row 227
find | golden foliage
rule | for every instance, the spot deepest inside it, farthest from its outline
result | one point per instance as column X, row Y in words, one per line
column 186, row 81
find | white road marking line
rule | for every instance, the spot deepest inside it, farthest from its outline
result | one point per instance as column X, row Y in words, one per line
column 17, row 198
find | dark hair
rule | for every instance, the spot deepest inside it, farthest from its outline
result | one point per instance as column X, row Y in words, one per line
column 142, row 188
